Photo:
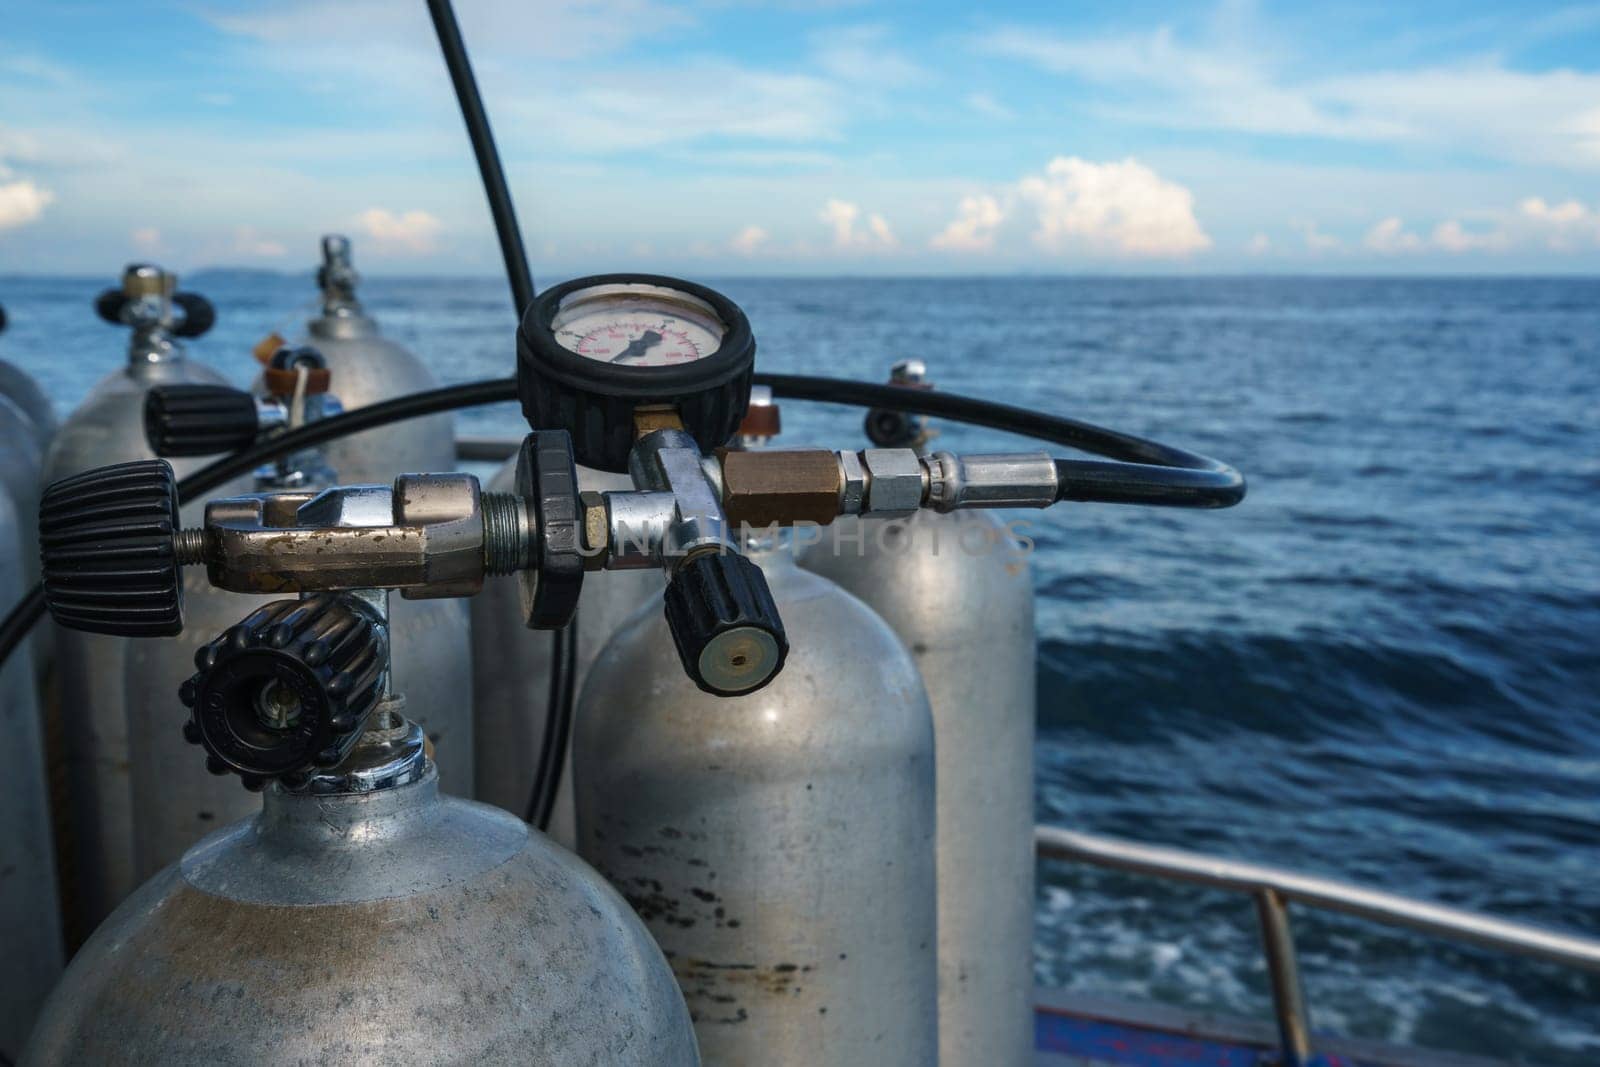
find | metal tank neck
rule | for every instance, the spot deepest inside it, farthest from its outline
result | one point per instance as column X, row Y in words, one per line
column 342, row 315
column 150, row 289
column 393, row 753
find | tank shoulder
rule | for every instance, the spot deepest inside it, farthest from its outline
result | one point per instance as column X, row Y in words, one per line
column 520, row 957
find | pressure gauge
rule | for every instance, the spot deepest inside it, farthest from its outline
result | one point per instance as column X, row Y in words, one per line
column 592, row 351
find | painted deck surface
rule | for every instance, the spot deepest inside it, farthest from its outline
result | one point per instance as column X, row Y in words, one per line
column 1074, row 1030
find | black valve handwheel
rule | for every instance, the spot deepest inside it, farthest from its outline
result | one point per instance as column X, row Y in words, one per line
column 548, row 479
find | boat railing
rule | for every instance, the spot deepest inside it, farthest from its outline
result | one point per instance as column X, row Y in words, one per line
column 1273, row 888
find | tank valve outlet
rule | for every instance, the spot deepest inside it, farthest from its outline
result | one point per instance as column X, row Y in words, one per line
column 288, row 691
column 725, row 624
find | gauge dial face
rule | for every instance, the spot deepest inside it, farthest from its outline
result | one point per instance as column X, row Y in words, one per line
column 637, row 325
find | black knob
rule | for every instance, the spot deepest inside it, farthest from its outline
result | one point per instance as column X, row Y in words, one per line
column 199, row 420
column 107, row 541
column 198, row 315
column 888, row 428
column 287, row 691
column 109, row 304
column 725, row 624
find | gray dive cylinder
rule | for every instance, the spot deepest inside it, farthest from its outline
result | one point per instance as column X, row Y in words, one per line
column 369, row 367
column 959, row 592
column 96, row 858
column 511, row 668
column 778, row 844
column 365, row 918
column 432, row 644
column 30, row 922
column 27, row 425
column 17, row 386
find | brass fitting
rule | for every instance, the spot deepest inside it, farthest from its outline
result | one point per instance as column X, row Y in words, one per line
column 778, row 486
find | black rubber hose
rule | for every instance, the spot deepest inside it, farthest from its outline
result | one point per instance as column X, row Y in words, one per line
column 563, row 645
column 1147, row 472
column 1162, row 467
column 494, row 177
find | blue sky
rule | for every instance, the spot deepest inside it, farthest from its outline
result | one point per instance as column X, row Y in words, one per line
column 745, row 137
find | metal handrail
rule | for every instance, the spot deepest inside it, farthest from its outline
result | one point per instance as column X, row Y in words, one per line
column 1273, row 888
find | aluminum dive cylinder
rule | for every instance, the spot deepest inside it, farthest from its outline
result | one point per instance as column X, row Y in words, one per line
column 21, row 459
column 96, row 856
column 957, row 588
column 511, row 669
column 433, row 651
column 363, row 917
column 30, row 920
column 779, row 844
column 18, row 386
column 369, row 367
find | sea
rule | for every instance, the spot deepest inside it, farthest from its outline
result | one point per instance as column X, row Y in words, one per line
column 1383, row 666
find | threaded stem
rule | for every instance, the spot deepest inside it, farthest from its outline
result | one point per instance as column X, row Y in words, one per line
column 190, row 546
column 507, row 533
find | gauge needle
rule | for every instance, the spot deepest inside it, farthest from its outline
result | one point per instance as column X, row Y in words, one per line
column 637, row 348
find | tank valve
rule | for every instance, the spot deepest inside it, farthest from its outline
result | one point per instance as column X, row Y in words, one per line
column 204, row 420
column 146, row 301
column 725, row 624
column 288, row 691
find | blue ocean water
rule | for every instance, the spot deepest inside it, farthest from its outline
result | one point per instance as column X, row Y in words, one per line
column 1384, row 666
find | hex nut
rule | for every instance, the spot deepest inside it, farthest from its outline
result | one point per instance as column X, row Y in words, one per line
column 894, row 480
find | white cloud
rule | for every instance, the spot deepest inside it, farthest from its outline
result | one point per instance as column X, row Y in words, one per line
column 973, row 228
column 862, row 55
column 749, row 240
column 247, row 241
column 1259, row 245
column 989, row 107
column 1390, row 237
column 878, row 226
column 1479, row 107
column 552, row 29
column 1122, row 209
column 147, row 239
column 1316, row 240
column 841, row 216
column 1562, row 227
column 1452, row 236
column 625, row 110
column 21, row 202
column 409, row 231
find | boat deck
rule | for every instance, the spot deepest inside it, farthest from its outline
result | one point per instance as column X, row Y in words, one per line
column 1079, row 1030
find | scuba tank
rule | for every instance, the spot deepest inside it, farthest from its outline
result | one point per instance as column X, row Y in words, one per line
column 27, row 424
column 511, row 670
column 433, row 648
column 17, row 386
column 175, row 803
column 30, row 917
column 96, row 850
column 779, row 844
column 361, row 916
column 959, row 593
column 369, row 367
